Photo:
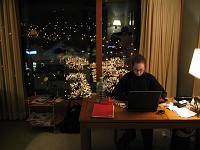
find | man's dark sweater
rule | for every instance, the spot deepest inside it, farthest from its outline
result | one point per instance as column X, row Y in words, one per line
column 131, row 82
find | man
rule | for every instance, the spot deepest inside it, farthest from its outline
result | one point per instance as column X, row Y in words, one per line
column 136, row 80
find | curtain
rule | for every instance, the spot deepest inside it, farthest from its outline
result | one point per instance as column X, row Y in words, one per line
column 160, row 38
column 12, row 95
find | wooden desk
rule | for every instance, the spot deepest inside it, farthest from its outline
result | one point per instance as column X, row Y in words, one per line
column 128, row 120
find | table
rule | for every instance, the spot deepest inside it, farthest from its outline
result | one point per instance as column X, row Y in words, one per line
column 128, row 120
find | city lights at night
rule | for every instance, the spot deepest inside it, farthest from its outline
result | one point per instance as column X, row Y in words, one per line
column 63, row 37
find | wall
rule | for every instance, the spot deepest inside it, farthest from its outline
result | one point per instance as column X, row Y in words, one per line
column 189, row 41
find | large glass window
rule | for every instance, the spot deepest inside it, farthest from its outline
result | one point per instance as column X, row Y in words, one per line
column 59, row 44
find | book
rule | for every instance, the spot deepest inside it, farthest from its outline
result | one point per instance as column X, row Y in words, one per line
column 103, row 111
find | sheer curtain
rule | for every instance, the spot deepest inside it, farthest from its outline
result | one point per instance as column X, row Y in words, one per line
column 11, row 76
column 160, row 38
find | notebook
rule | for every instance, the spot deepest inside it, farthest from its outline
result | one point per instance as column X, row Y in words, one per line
column 103, row 111
column 143, row 101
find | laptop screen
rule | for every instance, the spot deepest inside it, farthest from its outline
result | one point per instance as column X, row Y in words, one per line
column 141, row 101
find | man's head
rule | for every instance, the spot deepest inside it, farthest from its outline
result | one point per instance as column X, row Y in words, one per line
column 138, row 64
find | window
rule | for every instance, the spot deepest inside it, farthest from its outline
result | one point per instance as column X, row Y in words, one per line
column 59, row 45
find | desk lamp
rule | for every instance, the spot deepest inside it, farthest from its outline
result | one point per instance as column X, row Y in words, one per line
column 195, row 71
column 195, row 64
column 116, row 23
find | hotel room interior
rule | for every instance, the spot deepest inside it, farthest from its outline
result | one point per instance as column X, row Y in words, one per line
column 62, row 47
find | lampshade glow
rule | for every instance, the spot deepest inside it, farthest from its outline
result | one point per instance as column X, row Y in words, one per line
column 116, row 23
column 195, row 64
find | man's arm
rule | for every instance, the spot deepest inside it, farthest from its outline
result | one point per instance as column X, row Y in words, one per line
column 158, row 86
column 119, row 91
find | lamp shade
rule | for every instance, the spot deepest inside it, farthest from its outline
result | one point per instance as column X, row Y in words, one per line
column 116, row 23
column 195, row 64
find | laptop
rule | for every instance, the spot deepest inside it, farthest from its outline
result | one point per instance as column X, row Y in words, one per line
column 143, row 101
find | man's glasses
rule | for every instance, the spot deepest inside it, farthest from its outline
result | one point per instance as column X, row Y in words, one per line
column 138, row 70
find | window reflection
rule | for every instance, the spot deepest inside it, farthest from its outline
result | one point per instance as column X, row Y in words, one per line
column 58, row 40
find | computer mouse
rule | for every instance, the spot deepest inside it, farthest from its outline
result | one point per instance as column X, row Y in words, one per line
column 160, row 112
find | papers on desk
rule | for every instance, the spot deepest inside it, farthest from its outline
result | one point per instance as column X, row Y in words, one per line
column 183, row 112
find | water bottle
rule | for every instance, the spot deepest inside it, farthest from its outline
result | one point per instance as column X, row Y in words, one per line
column 100, row 89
